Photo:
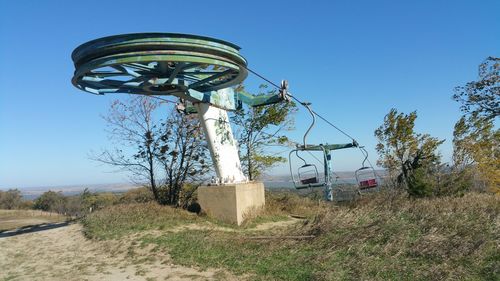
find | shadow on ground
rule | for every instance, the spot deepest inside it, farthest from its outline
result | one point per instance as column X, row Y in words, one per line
column 33, row 228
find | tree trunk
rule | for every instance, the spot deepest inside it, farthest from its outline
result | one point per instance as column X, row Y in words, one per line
column 249, row 163
column 249, row 156
column 152, row 180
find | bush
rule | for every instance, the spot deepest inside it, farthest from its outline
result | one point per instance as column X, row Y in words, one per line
column 420, row 183
column 188, row 195
column 92, row 201
column 26, row 205
column 10, row 199
column 74, row 206
column 51, row 201
column 137, row 195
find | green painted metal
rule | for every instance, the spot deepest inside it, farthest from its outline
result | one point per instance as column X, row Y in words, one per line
column 329, row 147
column 259, row 100
column 326, row 150
column 193, row 68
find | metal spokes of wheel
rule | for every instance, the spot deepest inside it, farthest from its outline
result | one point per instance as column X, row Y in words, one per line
column 157, row 64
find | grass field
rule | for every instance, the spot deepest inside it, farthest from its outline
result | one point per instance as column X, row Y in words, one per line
column 12, row 219
column 383, row 237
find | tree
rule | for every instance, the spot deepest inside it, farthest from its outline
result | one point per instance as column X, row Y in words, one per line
column 137, row 195
column 74, row 207
column 482, row 97
column 476, row 145
column 92, row 201
column 165, row 153
column 10, row 199
column 260, row 128
column 408, row 156
column 51, row 201
column 131, row 124
column 183, row 154
column 476, row 141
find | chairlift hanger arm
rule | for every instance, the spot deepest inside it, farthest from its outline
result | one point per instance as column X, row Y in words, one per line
column 266, row 99
column 340, row 146
column 259, row 100
column 229, row 99
column 323, row 147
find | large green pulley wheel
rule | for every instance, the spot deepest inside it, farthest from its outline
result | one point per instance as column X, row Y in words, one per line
column 157, row 64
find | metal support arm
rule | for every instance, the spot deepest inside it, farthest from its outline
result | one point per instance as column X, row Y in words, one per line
column 322, row 147
column 259, row 100
column 228, row 99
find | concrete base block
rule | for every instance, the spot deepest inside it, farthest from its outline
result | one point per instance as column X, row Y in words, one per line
column 232, row 203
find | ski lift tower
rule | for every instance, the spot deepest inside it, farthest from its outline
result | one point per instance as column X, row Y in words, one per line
column 202, row 72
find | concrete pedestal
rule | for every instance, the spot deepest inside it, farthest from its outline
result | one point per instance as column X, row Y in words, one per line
column 232, row 203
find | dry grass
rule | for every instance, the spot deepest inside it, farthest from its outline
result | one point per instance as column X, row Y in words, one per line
column 392, row 237
column 119, row 220
column 382, row 237
column 12, row 219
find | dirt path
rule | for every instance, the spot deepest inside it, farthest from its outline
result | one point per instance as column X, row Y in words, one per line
column 266, row 226
column 64, row 254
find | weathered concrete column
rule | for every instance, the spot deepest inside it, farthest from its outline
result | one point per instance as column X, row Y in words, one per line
column 221, row 143
column 232, row 203
column 232, row 198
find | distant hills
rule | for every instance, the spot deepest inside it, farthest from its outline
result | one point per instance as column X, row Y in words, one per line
column 33, row 192
column 270, row 181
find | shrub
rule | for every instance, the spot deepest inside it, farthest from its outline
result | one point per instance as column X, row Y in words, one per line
column 10, row 199
column 137, row 195
column 51, row 201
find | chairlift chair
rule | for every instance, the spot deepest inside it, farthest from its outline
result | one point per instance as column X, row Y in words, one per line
column 366, row 178
column 308, row 174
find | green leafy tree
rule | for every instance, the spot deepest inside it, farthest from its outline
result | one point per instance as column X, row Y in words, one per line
column 409, row 157
column 96, row 200
column 482, row 98
column 137, row 195
column 73, row 206
column 183, row 155
column 10, row 199
column 476, row 145
column 51, row 201
column 258, row 129
column 476, row 139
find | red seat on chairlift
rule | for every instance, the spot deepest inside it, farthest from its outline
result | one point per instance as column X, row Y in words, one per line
column 366, row 177
column 309, row 180
column 369, row 183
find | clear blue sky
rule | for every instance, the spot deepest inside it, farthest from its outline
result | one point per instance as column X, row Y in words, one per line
column 354, row 60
